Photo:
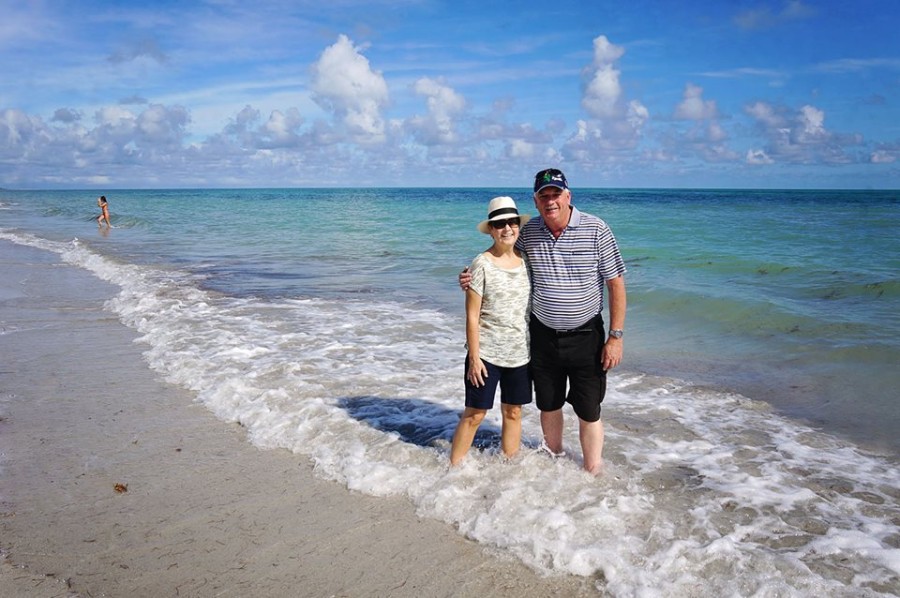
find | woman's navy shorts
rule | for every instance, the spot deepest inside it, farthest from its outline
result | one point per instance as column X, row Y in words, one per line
column 515, row 386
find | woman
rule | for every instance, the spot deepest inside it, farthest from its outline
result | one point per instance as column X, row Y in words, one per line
column 104, row 211
column 497, row 307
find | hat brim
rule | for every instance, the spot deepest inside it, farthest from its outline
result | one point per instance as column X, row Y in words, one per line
column 557, row 185
column 485, row 227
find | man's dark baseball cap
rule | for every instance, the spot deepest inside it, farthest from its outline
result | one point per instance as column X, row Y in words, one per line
column 551, row 177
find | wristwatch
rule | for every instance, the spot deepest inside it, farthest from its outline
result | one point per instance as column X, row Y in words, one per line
column 616, row 333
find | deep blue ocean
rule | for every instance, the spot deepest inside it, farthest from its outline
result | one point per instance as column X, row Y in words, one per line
column 752, row 438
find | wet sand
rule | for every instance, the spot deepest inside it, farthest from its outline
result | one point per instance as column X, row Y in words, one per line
column 115, row 483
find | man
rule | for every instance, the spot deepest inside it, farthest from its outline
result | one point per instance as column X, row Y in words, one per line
column 572, row 256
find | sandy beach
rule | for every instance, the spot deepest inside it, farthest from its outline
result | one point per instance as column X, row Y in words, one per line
column 115, row 483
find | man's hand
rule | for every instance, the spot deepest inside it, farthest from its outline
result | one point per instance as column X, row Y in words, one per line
column 465, row 278
column 612, row 353
column 612, row 350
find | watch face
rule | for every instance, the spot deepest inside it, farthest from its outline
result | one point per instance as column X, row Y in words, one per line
column 616, row 333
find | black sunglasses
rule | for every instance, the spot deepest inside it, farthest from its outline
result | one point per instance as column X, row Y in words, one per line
column 501, row 224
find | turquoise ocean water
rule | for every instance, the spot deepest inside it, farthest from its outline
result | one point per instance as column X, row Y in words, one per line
column 751, row 430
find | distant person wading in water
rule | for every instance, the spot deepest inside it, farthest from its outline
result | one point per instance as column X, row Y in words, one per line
column 104, row 207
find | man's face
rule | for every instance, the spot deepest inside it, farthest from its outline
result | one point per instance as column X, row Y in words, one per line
column 552, row 204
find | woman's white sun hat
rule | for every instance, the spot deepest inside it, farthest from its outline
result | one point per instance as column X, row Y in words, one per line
column 502, row 208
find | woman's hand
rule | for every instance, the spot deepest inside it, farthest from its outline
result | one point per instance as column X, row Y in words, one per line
column 477, row 373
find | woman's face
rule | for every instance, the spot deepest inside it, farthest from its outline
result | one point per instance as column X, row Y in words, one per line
column 505, row 232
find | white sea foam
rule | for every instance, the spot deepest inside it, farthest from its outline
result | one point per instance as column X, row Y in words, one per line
column 704, row 493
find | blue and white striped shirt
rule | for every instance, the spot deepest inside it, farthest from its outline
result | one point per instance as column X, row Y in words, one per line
column 568, row 273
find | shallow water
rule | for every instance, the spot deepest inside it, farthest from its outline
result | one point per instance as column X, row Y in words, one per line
column 328, row 323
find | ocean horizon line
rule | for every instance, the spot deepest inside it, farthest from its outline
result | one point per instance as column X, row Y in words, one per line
column 444, row 187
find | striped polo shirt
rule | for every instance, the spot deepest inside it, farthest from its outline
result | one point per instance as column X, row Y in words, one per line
column 568, row 273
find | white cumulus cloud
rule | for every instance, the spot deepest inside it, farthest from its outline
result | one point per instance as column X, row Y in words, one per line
column 638, row 114
column 443, row 105
column 766, row 114
column 758, row 156
column 344, row 83
column 519, row 148
column 603, row 90
column 882, row 157
column 812, row 122
column 800, row 136
column 694, row 107
column 615, row 124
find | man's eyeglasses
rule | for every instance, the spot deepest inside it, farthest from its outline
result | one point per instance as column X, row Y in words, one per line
column 501, row 224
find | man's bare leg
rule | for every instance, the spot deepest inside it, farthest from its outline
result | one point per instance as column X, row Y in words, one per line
column 552, row 428
column 591, row 436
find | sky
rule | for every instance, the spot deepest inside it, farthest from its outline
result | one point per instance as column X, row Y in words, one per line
column 426, row 93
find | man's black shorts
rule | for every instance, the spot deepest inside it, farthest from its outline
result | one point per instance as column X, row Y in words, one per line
column 573, row 356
